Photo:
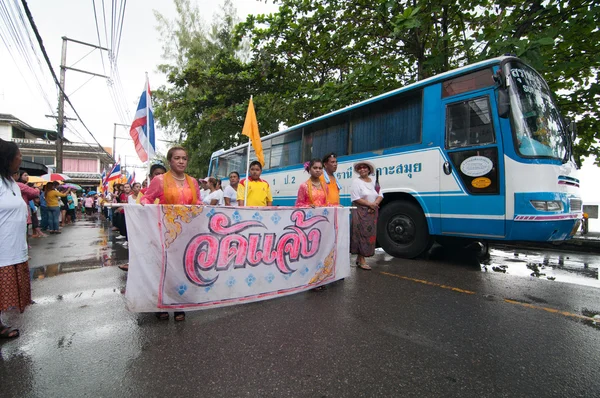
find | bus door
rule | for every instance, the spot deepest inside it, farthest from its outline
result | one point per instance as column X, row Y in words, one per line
column 472, row 194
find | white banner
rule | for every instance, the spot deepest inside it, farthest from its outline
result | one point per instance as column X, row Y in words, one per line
column 197, row 257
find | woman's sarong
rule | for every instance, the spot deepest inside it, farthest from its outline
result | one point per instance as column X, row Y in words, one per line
column 364, row 231
column 15, row 287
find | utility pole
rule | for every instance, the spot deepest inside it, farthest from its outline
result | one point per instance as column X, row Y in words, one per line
column 61, row 109
column 115, row 138
column 61, row 98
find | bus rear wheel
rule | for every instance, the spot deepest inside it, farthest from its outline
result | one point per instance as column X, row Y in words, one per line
column 402, row 230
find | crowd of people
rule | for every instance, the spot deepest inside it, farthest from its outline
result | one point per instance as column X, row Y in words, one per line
column 58, row 207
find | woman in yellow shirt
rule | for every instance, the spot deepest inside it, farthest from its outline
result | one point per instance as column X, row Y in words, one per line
column 52, row 202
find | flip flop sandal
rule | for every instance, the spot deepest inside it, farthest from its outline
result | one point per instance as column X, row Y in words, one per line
column 179, row 316
column 6, row 331
column 162, row 316
column 366, row 267
column 124, row 267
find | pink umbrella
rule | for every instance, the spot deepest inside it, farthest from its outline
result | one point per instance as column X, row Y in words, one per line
column 55, row 177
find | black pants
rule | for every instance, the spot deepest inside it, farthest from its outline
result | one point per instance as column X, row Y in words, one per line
column 119, row 222
column 35, row 223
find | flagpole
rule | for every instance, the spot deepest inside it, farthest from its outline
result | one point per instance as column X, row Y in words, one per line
column 147, row 132
column 247, row 170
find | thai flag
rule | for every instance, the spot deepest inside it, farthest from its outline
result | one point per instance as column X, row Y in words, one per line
column 142, row 128
column 115, row 172
column 103, row 181
column 131, row 178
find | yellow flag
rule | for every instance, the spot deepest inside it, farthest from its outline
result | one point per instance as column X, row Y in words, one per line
column 251, row 130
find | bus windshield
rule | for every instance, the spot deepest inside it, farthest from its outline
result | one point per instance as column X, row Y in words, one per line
column 538, row 129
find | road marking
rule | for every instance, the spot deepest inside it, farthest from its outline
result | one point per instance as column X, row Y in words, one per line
column 551, row 310
column 509, row 301
column 455, row 289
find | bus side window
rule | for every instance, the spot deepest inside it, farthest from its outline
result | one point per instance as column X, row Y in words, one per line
column 326, row 139
column 469, row 123
column 286, row 150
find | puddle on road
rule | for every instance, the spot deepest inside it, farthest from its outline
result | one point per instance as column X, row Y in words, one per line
column 51, row 270
column 577, row 268
column 90, row 251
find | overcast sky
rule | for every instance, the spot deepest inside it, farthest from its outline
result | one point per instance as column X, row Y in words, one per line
column 140, row 52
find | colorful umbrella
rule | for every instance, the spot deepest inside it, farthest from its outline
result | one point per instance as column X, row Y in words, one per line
column 91, row 193
column 35, row 180
column 55, row 177
column 73, row 186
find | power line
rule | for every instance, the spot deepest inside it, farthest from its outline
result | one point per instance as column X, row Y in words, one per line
column 120, row 30
column 41, row 44
column 19, row 35
column 98, row 32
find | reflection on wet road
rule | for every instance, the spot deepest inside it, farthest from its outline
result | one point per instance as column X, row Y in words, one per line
column 578, row 268
column 550, row 265
column 581, row 269
column 89, row 244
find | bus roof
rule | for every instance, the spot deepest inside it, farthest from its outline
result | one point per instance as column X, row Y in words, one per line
column 412, row 86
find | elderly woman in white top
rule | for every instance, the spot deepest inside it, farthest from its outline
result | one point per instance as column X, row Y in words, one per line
column 15, row 288
column 364, row 218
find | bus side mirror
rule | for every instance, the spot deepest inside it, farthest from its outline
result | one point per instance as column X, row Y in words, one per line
column 503, row 103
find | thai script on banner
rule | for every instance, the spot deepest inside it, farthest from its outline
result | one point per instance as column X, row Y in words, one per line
column 194, row 257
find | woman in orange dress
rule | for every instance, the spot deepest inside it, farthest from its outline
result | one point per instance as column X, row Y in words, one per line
column 313, row 192
column 173, row 188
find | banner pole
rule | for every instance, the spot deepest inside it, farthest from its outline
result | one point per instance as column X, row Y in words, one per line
column 247, row 173
column 247, row 169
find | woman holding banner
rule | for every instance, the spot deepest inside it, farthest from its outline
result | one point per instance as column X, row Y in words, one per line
column 313, row 192
column 366, row 198
column 173, row 188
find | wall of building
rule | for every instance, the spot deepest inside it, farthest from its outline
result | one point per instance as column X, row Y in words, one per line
column 5, row 132
column 80, row 165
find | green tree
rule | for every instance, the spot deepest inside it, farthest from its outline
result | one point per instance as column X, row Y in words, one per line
column 314, row 56
column 562, row 41
column 209, row 84
column 326, row 54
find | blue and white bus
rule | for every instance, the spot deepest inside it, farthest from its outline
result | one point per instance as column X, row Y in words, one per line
column 480, row 152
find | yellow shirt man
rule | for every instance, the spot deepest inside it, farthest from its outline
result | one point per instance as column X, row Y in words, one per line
column 259, row 192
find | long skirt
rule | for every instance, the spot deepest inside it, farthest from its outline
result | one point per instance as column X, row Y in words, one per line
column 364, row 231
column 15, row 287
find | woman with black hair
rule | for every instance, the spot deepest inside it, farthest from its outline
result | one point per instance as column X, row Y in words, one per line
column 15, row 288
column 28, row 193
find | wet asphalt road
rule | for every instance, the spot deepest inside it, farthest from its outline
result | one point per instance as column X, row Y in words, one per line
column 446, row 326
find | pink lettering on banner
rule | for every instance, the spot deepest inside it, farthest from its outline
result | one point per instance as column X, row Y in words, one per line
column 224, row 246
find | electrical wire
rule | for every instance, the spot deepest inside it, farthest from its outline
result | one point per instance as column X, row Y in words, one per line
column 19, row 36
column 120, row 30
column 98, row 32
column 43, row 49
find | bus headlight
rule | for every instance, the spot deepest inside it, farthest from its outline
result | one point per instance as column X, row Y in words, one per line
column 547, row 205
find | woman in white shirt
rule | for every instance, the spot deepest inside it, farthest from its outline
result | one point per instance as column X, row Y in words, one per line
column 15, row 288
column 364, row 218
column 215, row 197
column 136, row 196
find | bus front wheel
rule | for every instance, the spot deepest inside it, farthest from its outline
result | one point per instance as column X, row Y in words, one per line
column 402, row 229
